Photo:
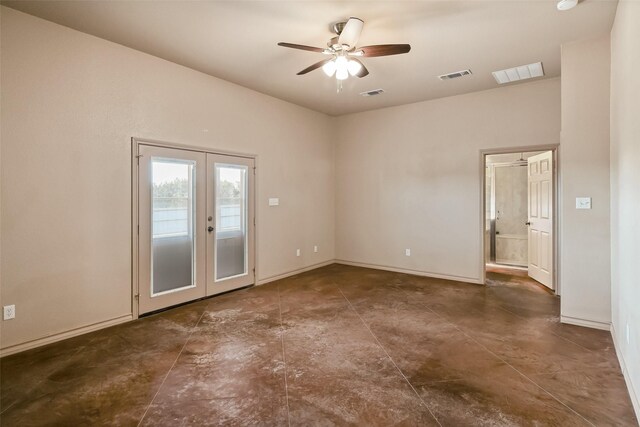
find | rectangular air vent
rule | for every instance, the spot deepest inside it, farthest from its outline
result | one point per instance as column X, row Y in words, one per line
column 372, row 92
column 522, row 72
column 455, row 75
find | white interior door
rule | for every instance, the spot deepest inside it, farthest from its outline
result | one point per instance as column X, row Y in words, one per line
column 171, row 218
column 230, row 223
column 540, row 218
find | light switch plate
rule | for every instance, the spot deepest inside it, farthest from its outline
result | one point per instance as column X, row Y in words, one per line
column 583, row 202
column 274, row 201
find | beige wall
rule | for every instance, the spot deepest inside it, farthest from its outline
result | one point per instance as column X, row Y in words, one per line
column 405, row 177
column 625, row 190
column 584, row 156
column 70, row 104
column 409, row 176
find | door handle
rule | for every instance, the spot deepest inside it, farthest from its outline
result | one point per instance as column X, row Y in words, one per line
column 527, row 223
column 210, row 229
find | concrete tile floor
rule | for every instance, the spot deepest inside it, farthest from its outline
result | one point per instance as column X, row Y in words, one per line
column 335, row 346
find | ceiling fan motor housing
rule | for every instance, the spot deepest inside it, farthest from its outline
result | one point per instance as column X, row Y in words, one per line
column 337, row 27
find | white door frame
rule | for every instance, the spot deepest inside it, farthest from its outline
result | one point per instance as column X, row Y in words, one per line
column 554, row 148
column 135, row 142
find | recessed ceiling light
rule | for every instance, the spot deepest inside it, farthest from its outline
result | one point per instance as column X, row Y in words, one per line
column 522, row 72
column 567, row 4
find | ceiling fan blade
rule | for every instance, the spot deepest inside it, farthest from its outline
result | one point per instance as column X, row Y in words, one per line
column 351, row 32
column 301, row 47
column 314, row 66
column 384, row 50
column 363, row 70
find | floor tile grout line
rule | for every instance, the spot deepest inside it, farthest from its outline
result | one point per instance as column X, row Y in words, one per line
column 549, row 329
column 172, row 366
column 508, row 364
column 284, row 357
column 37, row 385
column 500, row 306
column 389, row 356
column 14, row 403
column 504, row 361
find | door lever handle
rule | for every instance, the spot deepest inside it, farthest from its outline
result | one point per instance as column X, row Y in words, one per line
column 210, row 229
column 527, row 223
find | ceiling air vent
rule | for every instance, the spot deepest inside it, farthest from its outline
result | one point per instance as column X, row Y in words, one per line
column 522, row 72
column 455, row 75
column 372, row 92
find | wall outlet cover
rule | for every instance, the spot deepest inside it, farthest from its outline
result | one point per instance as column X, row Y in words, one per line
column 315, row 248
column 407, row 252
column 297, row 252
column 9, row 312
column 274, row 201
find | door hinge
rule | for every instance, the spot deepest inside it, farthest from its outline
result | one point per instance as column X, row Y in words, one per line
column 254, row 170
column 136, row 296
column 138, row 158
column 254, row 221
column 138, row 228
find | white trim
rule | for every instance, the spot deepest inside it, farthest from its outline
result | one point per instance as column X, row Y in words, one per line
column 294, row 272
column 38, row 342
column 625, row 373
column 595, row 324
column 557, row 175
column 135, row 244
column 473, row 280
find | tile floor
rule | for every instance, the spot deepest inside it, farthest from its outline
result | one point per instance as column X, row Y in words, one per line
column 335, row 346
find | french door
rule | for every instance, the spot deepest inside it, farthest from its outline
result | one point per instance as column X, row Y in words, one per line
column 230, row 223
column 196, row 225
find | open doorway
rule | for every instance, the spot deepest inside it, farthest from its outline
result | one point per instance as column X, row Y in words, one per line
column 519, row 217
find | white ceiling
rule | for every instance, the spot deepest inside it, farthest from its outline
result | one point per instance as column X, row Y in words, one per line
column 236, row 41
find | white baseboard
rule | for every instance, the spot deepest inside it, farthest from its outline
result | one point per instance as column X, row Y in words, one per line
column 38, row 342
column 595, row 324
column 625, row 373
column 409, row 271
column 294, row 272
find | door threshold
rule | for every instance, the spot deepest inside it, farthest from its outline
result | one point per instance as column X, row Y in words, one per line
column 151, row 313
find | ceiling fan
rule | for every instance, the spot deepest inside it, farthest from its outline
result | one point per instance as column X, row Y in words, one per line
column 343, row 52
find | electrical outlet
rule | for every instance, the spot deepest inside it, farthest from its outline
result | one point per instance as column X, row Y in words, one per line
column 315, row 248
column 628, row 333
column 9, row 312
column 297, row 252
column 407, row 252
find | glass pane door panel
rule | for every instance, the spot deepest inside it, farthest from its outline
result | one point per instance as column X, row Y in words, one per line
column 173, row 218
column 231, row 220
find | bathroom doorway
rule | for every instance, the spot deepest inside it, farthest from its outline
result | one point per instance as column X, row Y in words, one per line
column 519, row 212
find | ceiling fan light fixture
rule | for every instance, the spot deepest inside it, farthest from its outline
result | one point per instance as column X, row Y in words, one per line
column 342, row 68
column 567, row 4
column 342, row 52
column 329, row 68
column 354, row 67
column 341, row 62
